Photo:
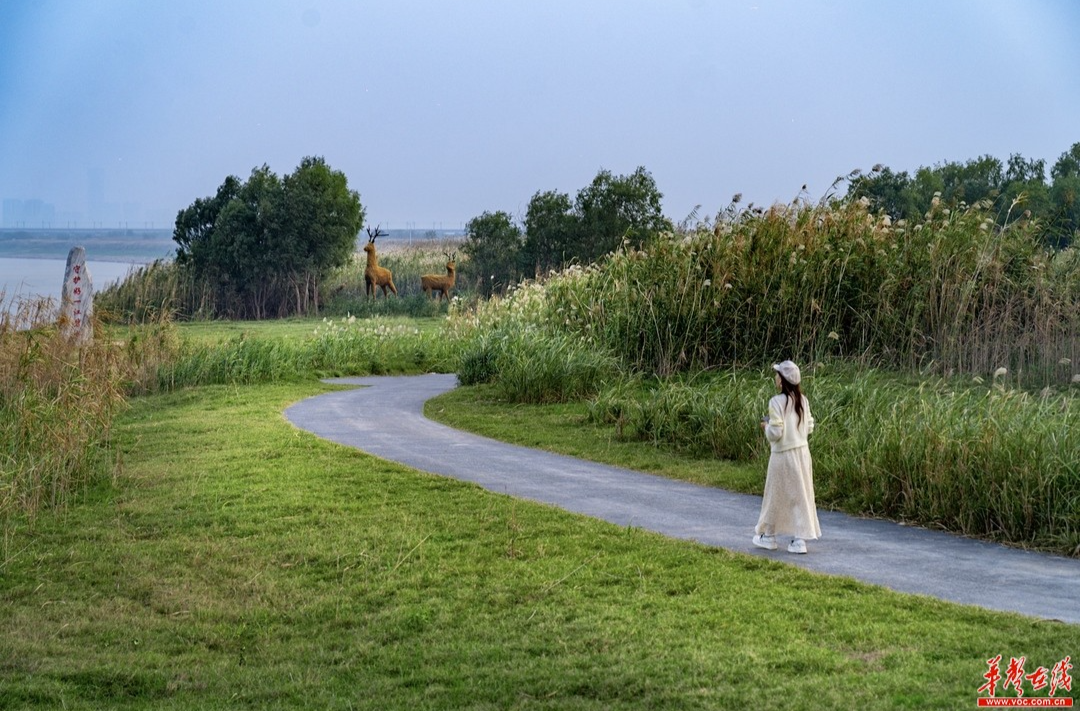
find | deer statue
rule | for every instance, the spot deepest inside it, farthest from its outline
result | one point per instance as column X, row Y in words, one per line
column 374, row 275
column 432, row 283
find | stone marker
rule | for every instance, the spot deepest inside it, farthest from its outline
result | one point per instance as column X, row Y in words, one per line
column 77, row 299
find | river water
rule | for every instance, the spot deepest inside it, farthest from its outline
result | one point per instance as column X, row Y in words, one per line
column 29, row 279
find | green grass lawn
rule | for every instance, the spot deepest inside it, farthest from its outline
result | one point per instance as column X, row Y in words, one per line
column 236, row 562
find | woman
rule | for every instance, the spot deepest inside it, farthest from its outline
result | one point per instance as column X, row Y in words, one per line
column 788, row 506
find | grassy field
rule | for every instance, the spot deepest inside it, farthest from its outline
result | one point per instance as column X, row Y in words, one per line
column 232, row 561
column 240, row 563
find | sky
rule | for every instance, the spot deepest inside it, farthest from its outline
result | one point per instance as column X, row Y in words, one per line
column 439, row 111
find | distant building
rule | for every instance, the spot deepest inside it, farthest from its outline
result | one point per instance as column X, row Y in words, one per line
column 30, row 214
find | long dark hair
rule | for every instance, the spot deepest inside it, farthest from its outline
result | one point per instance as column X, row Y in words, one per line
column 794, row 395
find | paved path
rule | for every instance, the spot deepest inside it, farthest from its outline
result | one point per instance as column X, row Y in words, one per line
column 386, row 420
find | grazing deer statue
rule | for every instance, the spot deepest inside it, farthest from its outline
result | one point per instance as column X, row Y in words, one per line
column 374, row 275
column 432, row 283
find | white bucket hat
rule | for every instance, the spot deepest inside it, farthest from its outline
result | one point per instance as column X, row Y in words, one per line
column 788, row 371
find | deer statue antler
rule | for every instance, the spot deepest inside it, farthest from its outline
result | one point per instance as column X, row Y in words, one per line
column 372, row 235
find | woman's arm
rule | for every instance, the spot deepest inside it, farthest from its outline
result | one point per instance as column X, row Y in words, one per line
column 774, row 428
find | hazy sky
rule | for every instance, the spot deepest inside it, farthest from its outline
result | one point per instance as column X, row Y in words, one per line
column 437, row 111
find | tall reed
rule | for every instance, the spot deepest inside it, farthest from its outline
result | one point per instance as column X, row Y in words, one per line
column 57, row 404
column 952, row 294
column 154, row 291
column 515, row 343
column 347, row 346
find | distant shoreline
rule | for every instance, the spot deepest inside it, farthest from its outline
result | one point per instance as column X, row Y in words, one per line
column 110, row 259
column 146, row 246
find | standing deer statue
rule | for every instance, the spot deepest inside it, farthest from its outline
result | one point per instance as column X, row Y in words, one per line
column 432, row 283
column 374, row 275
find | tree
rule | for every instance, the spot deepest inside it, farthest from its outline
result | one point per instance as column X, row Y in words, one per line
column 492, row 244
column 195, row 225
column 1016, row 189
column 321, row 219
column 1065, row 209
column 1068, row 164
column 616, row 208
column 550, row 227
column 241, row 255
column 887, row 191
column 1025, row 190
column 264, row 245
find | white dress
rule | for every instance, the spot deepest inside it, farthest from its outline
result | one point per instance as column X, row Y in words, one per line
column 788, row 505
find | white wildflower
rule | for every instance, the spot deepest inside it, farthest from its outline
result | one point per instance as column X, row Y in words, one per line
column 834, row 335
column 708, row 282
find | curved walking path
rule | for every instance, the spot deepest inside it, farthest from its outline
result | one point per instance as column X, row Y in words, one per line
column 386, row 419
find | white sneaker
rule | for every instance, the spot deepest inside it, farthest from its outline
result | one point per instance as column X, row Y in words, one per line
column 797, row 546
column 766, row 542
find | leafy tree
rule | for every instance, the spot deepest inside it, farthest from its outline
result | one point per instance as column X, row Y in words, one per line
column 264, row 245
column 237, row 252
column 321, row 219
column 1064, row 211
column 195, row 225
column 1065, row 216
column 887, row 191
column 616, row 208
column 1017, row 189
column 550, row 228
column 1026, row 191
column 492, row 244
column 1068, row 164
column 972, row 181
